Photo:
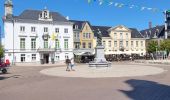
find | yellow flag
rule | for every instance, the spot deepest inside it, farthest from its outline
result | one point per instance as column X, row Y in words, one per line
column 53, row 37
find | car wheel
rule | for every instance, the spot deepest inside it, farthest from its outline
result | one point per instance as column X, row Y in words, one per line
column 4, row 71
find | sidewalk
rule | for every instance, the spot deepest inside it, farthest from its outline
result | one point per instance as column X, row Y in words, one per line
column 61, row 63
column 164, row 62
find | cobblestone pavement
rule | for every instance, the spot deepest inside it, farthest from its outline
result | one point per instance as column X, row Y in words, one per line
column 26, row 83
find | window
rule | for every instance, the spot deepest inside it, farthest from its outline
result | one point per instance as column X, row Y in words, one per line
column 110, row 44
column 115, row 35
column 76, row 35
column 75, row 27
column 45, row 14
column 127, row 36
column 141, row 43
column 104, row 43
column 121, row 44
column 66, row 30
column 33, row 57
column 45, row 43
column 121, row 35
column 57, row 44
column 77, row 45
column 84, row 35
column 127, row 43
column 137, row 44
column 57, row 30
column 84, row 45
column 66, row 56
column 131, row 43
column 57, row 58
column 33, row 29
column 33, row 44
column 89, row 45
column 22, row 43
column 45, row 29
column 87, row 35
column 65, row 43
column 22, row 29
column 22, row 57
column 115, row 43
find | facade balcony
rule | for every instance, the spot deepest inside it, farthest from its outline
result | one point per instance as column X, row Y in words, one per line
column 33, row 35
column 22, row 34
column 46, row 50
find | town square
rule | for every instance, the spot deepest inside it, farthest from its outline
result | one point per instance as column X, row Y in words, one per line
column 84, row 50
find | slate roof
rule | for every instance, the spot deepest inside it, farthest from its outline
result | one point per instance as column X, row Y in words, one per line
column 105, row 33
column 135, row 33
column 79, row 23
column 155, row 32
column 34, row 15
column 103, row 29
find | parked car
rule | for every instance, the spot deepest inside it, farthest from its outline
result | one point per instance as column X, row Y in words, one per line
column 4, row 67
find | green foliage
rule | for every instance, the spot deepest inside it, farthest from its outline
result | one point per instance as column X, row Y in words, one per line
column 165, row 45
column 152, row 46
column 1, row 51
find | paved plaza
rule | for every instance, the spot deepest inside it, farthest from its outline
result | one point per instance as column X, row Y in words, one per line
column 124, row 81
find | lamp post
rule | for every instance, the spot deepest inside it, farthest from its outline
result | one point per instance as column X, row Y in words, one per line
column 13, row 62
column 156, row 52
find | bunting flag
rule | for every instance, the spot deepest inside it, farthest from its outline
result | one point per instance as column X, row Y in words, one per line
column 120, row 5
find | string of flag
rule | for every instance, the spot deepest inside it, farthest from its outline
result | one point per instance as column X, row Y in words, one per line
column 121, row 5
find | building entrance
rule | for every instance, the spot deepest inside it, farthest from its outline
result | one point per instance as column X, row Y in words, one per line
column 46, row 58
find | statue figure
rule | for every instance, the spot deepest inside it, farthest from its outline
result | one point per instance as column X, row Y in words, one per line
column 99, row 38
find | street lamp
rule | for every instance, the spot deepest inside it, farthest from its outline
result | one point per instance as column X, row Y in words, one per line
column 13, row 62
column 156, row 52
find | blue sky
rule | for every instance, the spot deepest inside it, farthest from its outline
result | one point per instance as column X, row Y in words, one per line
column 98, row 14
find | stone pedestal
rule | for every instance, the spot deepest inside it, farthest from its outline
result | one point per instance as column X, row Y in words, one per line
column 100, row 60
column 99, row 57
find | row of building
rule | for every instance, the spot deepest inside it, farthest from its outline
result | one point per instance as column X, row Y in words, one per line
column 42, row 36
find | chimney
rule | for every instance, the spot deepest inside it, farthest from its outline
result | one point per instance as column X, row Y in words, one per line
column 67, row 18
column 150, row 25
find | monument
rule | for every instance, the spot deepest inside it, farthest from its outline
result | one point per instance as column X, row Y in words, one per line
column 99, row 60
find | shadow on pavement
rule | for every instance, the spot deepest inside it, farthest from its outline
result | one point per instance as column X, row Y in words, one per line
column 147, row 90
column 13, row 76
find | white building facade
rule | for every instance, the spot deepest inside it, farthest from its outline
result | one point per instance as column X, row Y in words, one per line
column 37, row 36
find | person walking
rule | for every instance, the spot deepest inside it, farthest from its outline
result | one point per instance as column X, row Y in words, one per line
column 68, row 63
column 72, row 64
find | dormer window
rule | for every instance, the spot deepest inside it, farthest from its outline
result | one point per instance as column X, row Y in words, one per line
column 45, row 15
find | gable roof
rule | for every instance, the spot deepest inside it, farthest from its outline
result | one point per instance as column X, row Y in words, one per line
column 80, row 24
column 105, row 31
column 34, row 15
column 113, row 28
column 155, row 32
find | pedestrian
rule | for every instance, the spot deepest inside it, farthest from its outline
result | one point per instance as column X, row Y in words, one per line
column 72, row 64
column 68, row 63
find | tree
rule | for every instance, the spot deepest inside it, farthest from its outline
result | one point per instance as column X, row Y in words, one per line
column 1, row 51
column 165, row 45
column 152, row 46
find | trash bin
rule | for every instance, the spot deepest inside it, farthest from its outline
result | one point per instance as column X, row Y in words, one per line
column 52, row 60
column 42, row 61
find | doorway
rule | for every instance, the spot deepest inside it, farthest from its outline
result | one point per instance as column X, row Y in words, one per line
column 46, row 58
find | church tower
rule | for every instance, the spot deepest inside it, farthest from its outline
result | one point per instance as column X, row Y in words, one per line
column 8, row 8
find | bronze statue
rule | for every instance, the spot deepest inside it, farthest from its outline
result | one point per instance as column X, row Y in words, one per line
column 99, row 38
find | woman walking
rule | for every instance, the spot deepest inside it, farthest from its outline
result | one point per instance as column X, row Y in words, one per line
column 68, row 63
column 72, row 64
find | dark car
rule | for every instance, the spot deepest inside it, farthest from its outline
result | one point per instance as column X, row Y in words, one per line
column 3, row 67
